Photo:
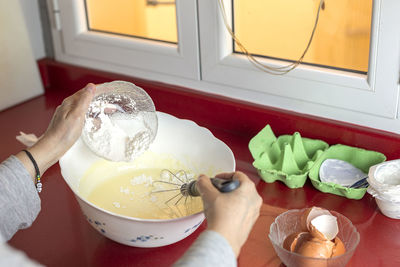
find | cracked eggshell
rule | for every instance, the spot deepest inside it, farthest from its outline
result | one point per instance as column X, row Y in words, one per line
column 310, row 214
column 339, row 247
column 316, row 248
column 290, row 241
column 324, row 227
column 293, row 241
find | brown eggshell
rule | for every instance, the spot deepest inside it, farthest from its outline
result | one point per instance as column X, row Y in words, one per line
column 303, row 220
column 295, row 239
column 311, row 262
column 310, row 214
column 338, row 248
column 289, row 240
column 317, row 234
column 316, row 248
column 324, row 227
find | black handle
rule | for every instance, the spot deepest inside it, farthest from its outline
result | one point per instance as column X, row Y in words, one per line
column 223, row 186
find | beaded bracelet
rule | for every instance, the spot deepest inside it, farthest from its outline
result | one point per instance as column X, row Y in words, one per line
column 38, row 183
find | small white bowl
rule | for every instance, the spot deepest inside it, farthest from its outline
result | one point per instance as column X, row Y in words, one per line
column 385, row 177
column 388, row 208
column 384, row 186
column 191, row 144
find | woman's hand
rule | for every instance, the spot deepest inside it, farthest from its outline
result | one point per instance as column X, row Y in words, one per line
column 62, row 132
column 231, row 214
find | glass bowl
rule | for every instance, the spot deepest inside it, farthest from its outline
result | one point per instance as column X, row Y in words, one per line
column 121, row 121
column 289, row 222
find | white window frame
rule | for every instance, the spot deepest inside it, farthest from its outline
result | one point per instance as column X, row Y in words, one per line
column 375, row 93
column 203, row 60
column 78, row 43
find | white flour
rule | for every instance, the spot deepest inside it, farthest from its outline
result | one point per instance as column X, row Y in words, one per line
column 142, row 179
column 114, row 135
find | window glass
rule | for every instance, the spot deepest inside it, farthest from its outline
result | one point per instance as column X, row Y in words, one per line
column 148, row 19
column 281, row 29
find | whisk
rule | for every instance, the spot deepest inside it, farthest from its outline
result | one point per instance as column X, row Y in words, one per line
column 187, row 187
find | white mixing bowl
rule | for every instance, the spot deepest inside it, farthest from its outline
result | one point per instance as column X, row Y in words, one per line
column 189, row 143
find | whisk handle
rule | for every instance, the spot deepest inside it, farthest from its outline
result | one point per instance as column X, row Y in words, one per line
column 223, row 186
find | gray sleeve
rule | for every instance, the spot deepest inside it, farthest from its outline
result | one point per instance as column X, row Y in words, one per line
column 210, row 249
column 11, row 257
column 19, row 201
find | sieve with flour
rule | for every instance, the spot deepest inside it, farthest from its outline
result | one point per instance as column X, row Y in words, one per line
column 121, row 121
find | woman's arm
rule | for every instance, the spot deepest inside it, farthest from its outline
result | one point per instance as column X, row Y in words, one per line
column 64, row 129
column 230, row 218
column 19, row 201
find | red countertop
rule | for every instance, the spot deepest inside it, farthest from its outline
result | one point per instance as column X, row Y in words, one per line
column 62, row 237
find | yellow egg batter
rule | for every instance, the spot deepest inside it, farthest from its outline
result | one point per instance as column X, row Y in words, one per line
column 130, row 190
column 133, row 194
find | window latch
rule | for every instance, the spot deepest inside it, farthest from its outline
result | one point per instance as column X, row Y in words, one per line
column 156, row 2
column 56, row 15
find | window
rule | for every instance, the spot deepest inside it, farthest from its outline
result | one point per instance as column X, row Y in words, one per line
column 139, row 18
column 281, row 29
column 97, row 33
column 351, row 72
column 326, row 92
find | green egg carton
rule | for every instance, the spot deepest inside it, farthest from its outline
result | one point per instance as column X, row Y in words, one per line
column 287, row 158
column 358, row 157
